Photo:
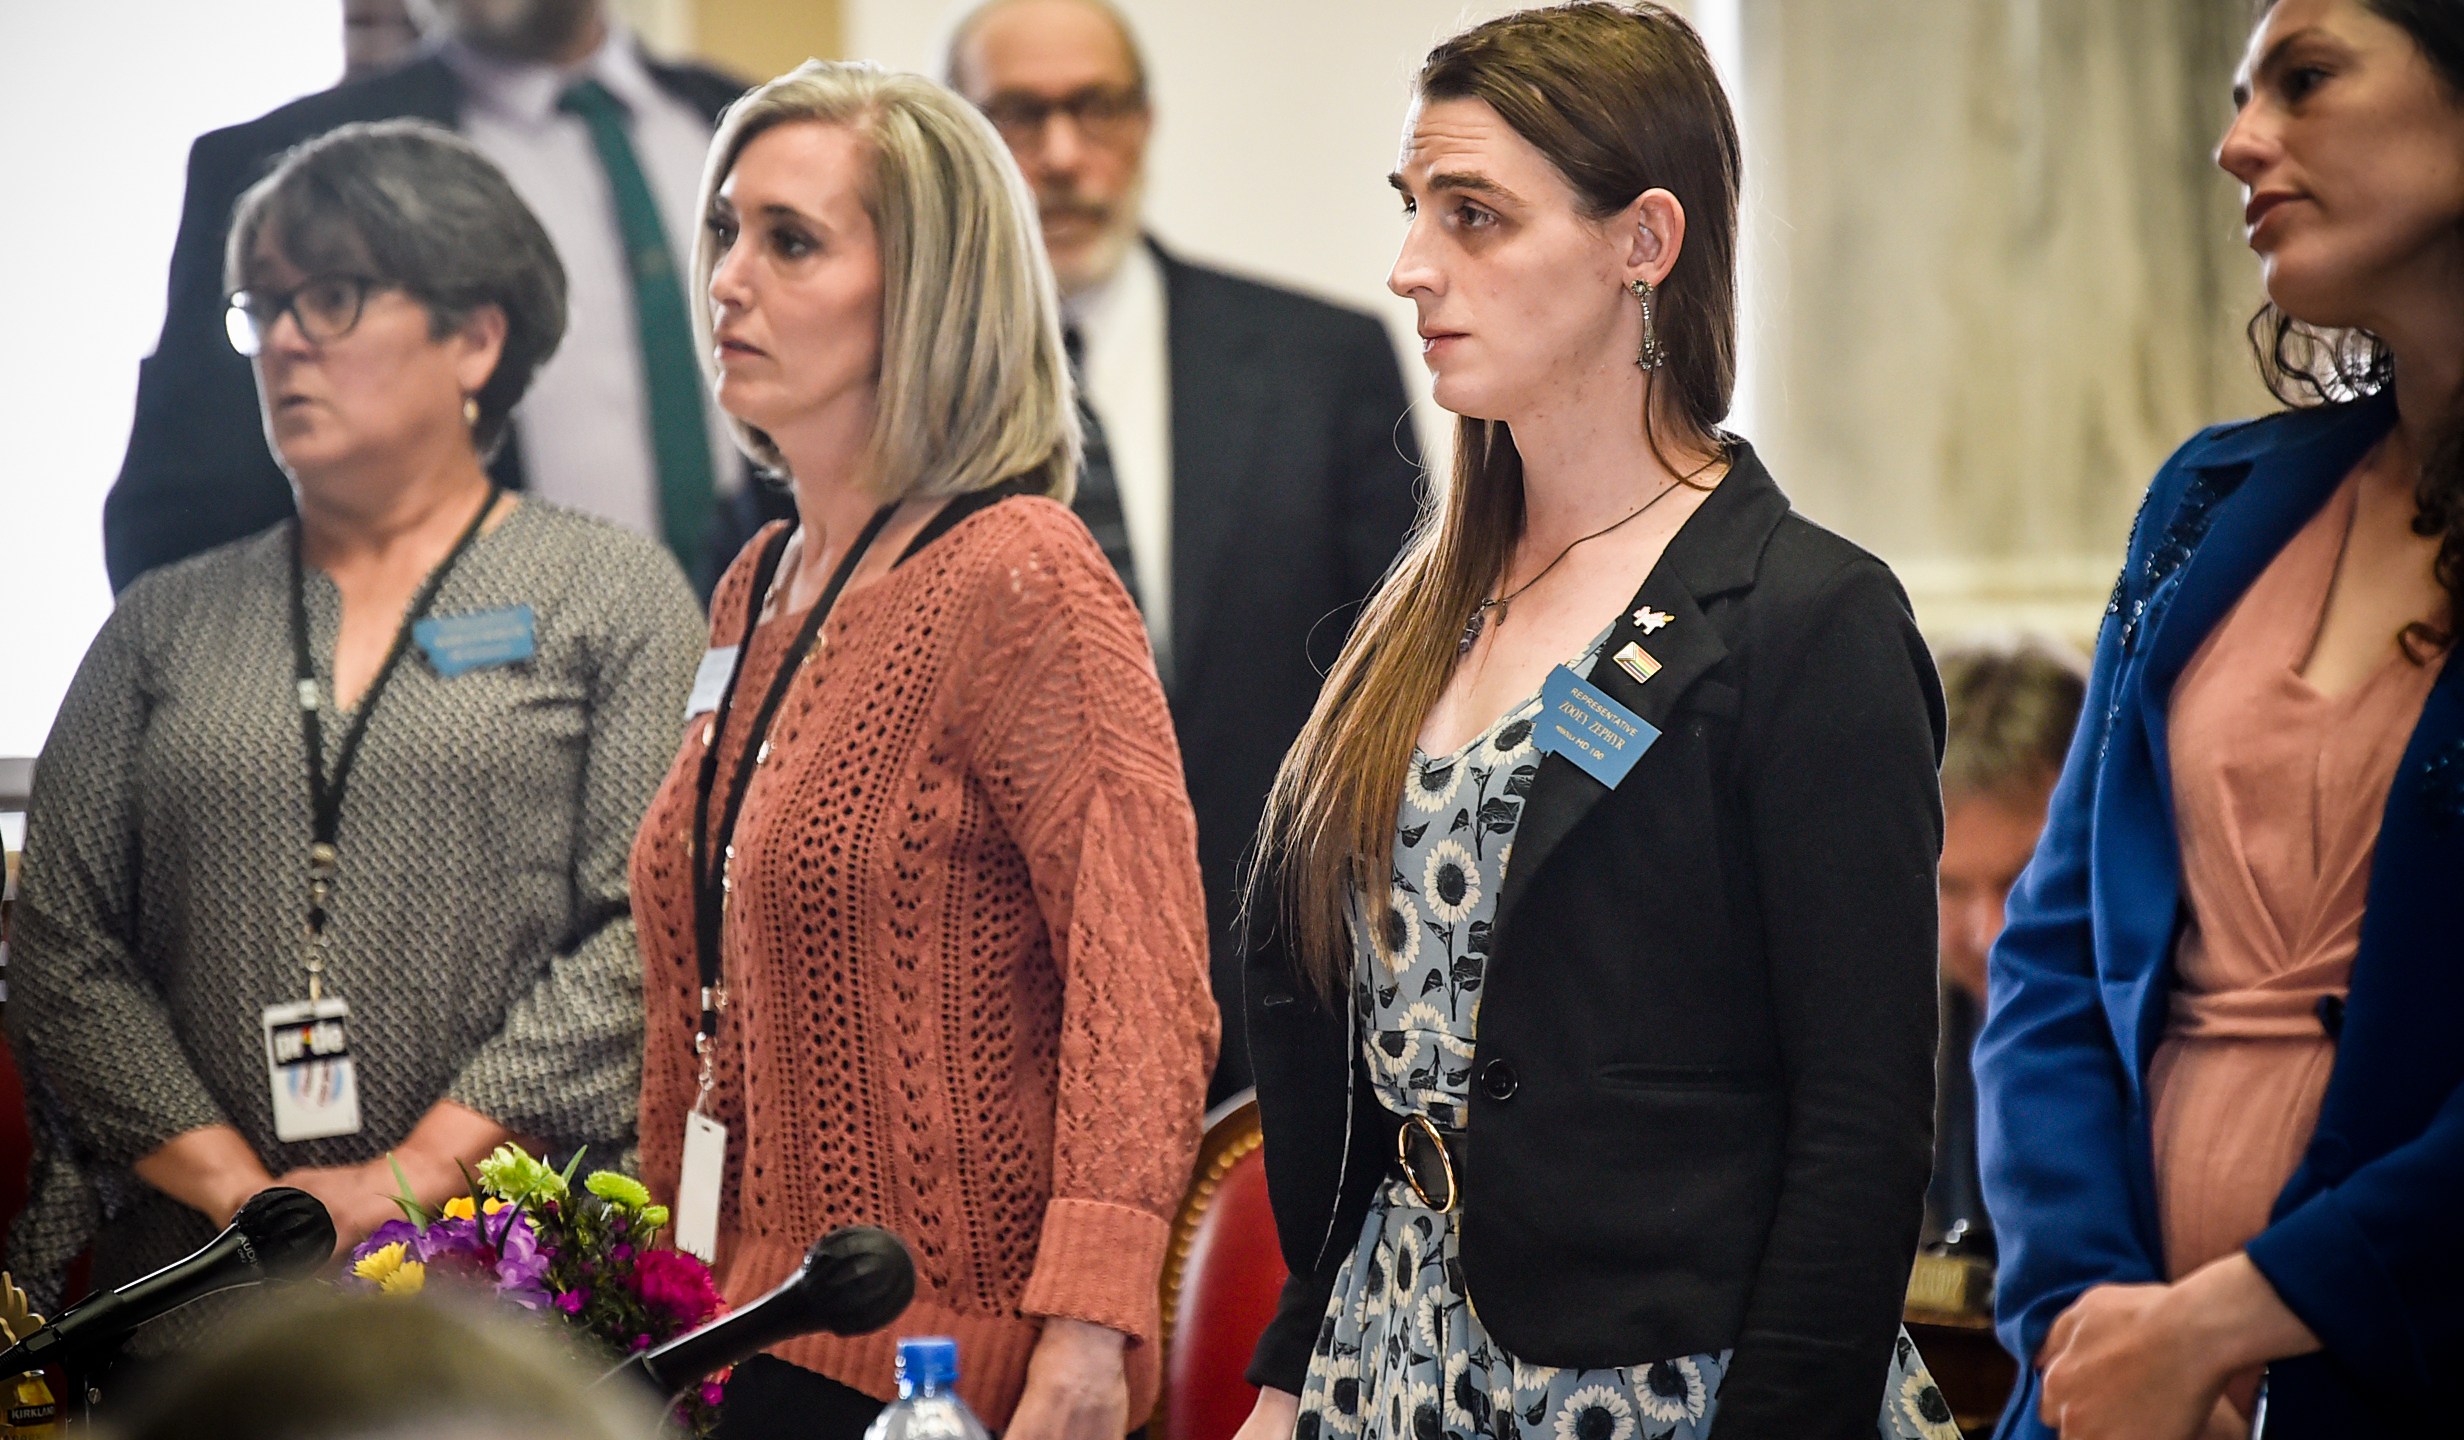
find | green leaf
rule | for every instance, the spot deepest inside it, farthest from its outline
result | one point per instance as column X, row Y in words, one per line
column 411, row 1209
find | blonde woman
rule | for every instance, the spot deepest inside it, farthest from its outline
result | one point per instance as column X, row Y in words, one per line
column 1593, row 1003
column 919, row 899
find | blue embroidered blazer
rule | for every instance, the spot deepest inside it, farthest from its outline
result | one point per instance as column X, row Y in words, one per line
column 2366, row 1242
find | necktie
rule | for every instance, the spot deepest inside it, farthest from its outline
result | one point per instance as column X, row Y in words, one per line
column 679, row 437
column 1099, row 489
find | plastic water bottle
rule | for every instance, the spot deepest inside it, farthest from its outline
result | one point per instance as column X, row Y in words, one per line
column 928, row 1407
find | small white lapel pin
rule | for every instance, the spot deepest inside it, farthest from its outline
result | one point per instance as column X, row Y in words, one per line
column 1651, row 620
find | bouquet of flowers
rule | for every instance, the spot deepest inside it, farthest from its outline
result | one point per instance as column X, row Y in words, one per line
column 587, row 1254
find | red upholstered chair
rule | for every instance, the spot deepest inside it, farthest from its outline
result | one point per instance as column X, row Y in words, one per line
column 1221, row 1277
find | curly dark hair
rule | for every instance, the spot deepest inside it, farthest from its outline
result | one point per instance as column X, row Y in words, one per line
column 2305, row 365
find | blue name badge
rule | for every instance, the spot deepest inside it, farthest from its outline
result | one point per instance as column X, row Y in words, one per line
column 457, row 644
column 1599, row 735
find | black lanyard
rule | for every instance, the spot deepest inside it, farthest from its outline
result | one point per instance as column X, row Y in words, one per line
column 711, row 881
column 324, row 790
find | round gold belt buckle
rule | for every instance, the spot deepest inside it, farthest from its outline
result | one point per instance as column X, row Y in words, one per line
column 1445, row 1161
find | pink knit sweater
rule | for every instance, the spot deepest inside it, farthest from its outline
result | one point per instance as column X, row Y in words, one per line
column 965, row 954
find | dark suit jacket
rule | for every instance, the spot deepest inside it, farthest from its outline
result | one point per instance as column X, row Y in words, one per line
column 198, row 472
column 2364, row 1243
column 1293, row 473
column 1956, row 1199
column 1702, row 1090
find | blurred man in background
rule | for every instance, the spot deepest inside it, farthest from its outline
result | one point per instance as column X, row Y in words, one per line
column 1249, row 466
column 2013, row 707
column 606, row 145
column 377, row 35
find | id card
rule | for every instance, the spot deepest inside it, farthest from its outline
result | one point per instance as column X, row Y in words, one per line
column 477, row 639
column 1579, row 721
column 697, row 1187
column 308, row 1062
column 710, row 680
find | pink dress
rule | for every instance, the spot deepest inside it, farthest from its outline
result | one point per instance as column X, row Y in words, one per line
column 2277, row 794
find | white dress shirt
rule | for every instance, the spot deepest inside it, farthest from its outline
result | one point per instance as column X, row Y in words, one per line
column 584, row 428
column 1127, row 361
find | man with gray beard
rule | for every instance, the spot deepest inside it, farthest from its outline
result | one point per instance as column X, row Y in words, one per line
column 1249, row 466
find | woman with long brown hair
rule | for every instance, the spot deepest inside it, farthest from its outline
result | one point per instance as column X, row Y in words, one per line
column 1591, row 975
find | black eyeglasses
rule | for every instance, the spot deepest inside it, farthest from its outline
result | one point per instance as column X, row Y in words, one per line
column 1103, row 113
column 325, row 307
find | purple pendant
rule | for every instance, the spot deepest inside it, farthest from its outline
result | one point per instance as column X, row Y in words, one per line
column 1476, row 624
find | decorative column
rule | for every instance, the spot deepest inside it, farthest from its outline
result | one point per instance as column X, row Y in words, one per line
column 1997, row 277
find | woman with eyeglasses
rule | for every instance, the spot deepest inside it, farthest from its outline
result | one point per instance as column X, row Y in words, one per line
column 325, row 862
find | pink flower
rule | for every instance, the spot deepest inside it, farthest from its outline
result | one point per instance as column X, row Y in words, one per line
column 675, row 1285
column 572, row 1301
column 713, row 1392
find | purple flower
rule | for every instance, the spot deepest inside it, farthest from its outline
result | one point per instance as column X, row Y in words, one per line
column 446, row 1241
column 500, row 1252
column 572, row 1301
column 521, row 1266
column 386, row 1234
column 713, row 1392
column 621, row 1252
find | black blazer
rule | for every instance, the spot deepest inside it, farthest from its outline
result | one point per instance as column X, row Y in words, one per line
column 1293, row 474
column 197, row 472
column 1703, row 1085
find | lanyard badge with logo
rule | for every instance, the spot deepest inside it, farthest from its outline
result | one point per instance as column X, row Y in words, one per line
column 713, row 854
column 308, row 1042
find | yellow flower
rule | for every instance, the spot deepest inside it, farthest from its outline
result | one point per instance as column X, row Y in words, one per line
column 409, row 1280
column 458, row 1208
column 391, row 1272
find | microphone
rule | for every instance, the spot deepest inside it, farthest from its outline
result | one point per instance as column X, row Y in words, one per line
column 853, row 1281
column 280, row 1234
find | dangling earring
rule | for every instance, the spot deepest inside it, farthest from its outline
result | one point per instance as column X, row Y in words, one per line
column 470, row 411
column 1651, row 356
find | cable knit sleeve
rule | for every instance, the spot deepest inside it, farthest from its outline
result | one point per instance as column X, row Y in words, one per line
column 1075, row 747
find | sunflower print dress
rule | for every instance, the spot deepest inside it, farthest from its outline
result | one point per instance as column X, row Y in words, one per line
column 1401, row 1356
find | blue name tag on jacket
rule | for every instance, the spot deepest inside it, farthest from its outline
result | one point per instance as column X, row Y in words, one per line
column 1599, row 735
column 456, row 644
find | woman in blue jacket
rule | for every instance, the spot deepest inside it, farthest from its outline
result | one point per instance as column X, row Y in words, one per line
column 2222, row 1076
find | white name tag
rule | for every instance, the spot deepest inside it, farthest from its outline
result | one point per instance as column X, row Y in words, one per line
column 697, row 1188
column 308, row 1063
column 710, row 680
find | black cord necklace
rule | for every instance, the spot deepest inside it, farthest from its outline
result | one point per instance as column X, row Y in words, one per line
column 1479, row 620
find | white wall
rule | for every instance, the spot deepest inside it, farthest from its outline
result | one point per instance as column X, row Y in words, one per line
column 98, row 103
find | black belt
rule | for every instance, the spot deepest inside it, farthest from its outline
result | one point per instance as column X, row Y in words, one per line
column 1429, row 1158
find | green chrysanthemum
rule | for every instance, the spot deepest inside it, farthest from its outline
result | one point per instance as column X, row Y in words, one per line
column 619, row 1190
column 654, row 1217
column 512, row 1174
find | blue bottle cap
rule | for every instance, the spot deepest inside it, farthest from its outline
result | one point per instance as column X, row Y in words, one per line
column 928, row 1361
